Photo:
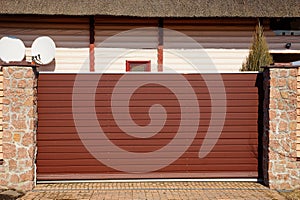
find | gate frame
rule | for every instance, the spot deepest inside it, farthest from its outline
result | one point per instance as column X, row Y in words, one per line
column 280, row 167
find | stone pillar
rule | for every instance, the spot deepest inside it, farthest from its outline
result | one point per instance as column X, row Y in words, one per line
column 19, row 127
column 280, row 166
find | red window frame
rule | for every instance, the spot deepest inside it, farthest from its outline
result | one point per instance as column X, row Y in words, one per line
column 147, row 62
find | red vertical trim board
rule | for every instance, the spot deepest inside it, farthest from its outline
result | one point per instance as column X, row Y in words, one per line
column 92, row 57
column 160, row 58
column 92, row 43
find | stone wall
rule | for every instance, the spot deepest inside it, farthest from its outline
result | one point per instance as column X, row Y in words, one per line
column 298, row 115
column 1, row 128
column 19, row 127
column 280, row 166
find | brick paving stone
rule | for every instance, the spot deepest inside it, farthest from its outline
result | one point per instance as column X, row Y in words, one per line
column 153, row 191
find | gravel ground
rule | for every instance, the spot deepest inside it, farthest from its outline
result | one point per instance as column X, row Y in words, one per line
column 10, row 194
column 291, row 195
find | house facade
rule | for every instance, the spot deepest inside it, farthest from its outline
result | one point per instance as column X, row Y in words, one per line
column 152, row 43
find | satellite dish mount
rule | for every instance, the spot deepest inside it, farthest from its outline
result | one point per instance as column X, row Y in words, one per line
column 43, row 50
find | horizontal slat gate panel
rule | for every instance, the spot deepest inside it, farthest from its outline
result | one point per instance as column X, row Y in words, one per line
column 153, row 142
column 189, row 155
column 61, row 153
column 109, row 123
column 137, row 110
column 65, row 129
column 139, row 148
column 144, row 117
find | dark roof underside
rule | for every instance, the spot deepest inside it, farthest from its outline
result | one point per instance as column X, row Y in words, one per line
column 155, row 8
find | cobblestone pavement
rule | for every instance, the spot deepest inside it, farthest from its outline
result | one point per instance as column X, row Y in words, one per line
column 153, row 190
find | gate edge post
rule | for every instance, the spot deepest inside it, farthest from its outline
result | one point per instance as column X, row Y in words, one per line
column 281, row 170
column 19, row 127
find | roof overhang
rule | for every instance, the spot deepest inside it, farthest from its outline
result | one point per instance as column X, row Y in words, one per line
column 155, row 8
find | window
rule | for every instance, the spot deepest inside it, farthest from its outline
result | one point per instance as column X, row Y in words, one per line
column 138, row 66
column 285, row 26
column 285, row 57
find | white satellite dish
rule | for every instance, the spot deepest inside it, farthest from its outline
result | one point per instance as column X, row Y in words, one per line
column 43, row 50
column 12, row 49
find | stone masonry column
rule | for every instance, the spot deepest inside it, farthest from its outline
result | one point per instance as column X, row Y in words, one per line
column 19, row 127
column 281, row 170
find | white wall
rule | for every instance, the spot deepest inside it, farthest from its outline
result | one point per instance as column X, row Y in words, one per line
column 204, row 60
column 68, row 60
column 113, row 60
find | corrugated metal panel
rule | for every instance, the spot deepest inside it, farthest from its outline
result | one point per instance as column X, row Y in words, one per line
column 62, row 154
column 71, row 36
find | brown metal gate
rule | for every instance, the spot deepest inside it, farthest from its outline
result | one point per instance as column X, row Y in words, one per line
column 62, row 155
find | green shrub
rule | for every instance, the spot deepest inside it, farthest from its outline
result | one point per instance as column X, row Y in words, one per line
column 259, row 52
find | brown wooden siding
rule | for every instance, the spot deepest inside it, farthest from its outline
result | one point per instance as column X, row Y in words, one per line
column 70, row 34
column 67, row 32
column 106, row 27
column 226, row 40
column 225, row 33
column 211, row 33
column 62, row 155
